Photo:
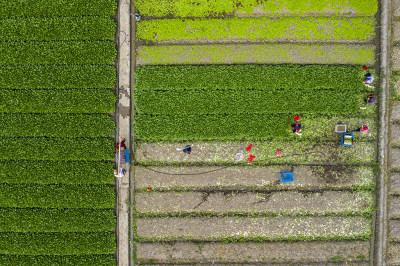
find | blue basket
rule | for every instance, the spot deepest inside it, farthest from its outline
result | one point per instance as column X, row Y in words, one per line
column 127, row 156
column 343, row 138
column 286, row 177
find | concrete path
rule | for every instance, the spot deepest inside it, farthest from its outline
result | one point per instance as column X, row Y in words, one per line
column 123, row 130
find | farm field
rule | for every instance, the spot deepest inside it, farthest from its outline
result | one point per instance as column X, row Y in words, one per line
column 57, row 199
column 230, row 79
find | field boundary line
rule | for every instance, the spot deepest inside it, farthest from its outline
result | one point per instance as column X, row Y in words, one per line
column 123, row 131
column 381, row 219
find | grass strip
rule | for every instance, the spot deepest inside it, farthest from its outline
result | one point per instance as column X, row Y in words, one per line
column 218, row 126
column 258, row 29
column 56, row 220
column 57, row 243
column 217, row 152
column 224, row 203
column 57, row 101
column 54, row 149
column 57, row 29
column 57, row 77
column 254, row 229
column 242, row 77
column 56, row 125
column 331, row 54
column 289, row 101
column 203, row 8
column 56, row 196
column 103, row 260
column 56, row 8
column 56, row 172
column 75, row 52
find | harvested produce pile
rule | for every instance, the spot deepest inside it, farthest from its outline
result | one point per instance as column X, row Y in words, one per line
column 57, row 197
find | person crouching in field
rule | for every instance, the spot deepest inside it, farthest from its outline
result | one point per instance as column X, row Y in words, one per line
column 368, row 78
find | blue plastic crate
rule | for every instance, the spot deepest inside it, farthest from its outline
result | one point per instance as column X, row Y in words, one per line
column 127, row 156
column 286, row 177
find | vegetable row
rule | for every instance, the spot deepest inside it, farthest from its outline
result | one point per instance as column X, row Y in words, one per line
column 57, row 52
column 56, row 172
column 73, row 260
column 57, row 149
column 57, row 29
column 322, row 101
column 259, row 77
column 57, row 76
column 203, row 8
column 56, row 125
column 258, row 29
column 57, row 101
column 57, row 8
column 57, row 243
column 56, row 220
column 56, row 196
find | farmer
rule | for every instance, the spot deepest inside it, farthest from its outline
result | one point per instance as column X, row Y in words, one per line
column 370, row 100
column 296, row 127
column 363, row 129
column 368, row 78
column 187, row 149
column 122, row 144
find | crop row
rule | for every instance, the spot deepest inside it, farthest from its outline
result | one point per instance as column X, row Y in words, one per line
column 57, row 243
column 57, row 101
column 219, row 126
column 59, row 8
column 56, row 172
column 73, row 260
column 261, row 77
column 203, row 8
column 70, row 52
column 56, row 220
column 249, row 102
column 57, row 29
column 258, row 29
column 54, row 149
column 57, row 76
column 237, row 126
column 56, row 125
column 223, row 152
column 56, row 196
column 286, row 53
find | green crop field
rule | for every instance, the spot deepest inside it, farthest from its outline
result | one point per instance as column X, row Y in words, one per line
column 57, row 79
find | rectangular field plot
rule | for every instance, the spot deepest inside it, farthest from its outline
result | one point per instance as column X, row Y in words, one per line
column 284, row 252
column 281, row 228
column 257, row 29
column 224, row 152
column 10, row 260
column 349, row 54
column 182, row 8
column 218, row 203
column 205, row 178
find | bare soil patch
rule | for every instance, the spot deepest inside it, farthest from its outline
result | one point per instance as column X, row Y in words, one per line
column 394, row 158
column 296, row 252
column 394, row 183
column 393, row 254
column 286, row 202
column 394, row 207
column 394, row 230
column 246, row 177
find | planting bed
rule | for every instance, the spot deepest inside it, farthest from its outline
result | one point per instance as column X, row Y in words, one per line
column 57, row 197
column 203, row 178
column 352, row 54
column 267, row 252
column 279, row 228
column 223, row 76
column 224, row 152
column 218, row 203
